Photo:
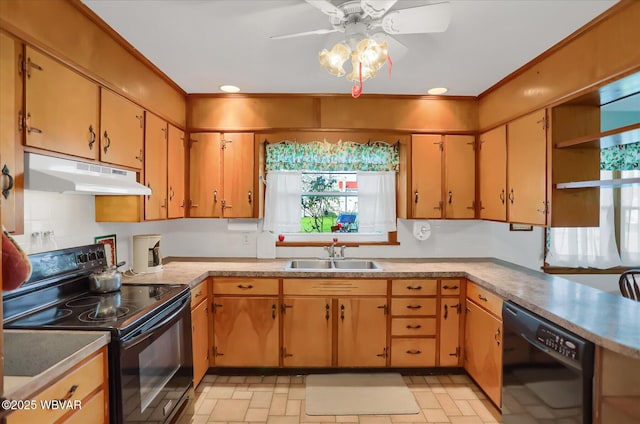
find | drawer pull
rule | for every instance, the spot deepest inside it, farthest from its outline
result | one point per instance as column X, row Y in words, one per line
column 481, row 297
column 327, row 308
column 414, row 306
column 414, row 288
column 414, row 327
column 342, row 312
column 70, row 393
column 446, row 287
column 273, row 311
column 198, row 294
column 243, row 287
column 414, row 352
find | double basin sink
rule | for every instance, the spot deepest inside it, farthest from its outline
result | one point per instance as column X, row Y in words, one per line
column 332, row 265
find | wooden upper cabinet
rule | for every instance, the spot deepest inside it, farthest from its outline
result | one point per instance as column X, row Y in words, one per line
column 460, row 176
column 205, row 182
column 176, row 152
column 62, row 108
column 121, row 131
column 526, row 169
column 11, row 162
column 426, row 175
column 155, row 167
column 492, row 160
column 237, row 178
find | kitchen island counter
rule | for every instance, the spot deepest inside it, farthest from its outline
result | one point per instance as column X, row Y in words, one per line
column 606, row 319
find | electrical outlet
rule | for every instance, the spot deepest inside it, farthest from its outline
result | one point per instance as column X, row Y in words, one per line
column 245, row 238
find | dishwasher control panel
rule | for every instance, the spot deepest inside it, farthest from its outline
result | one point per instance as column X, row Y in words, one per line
column 558, row 342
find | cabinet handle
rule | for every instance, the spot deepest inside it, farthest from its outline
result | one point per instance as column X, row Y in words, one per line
column 450, row 197
column 414, row 306
column 273, row 311
column 249, row 195
column 502, row 196
column 108, row 142
column 31, row 129
column 446, row 311
column 342, row 312
column 416, row 196
column 92, row 137
column 414, row 352
column 447, row 287
column 7, row 189
column 243, row 287
column 198, row 294
column 497, row 336
column 512, row 197
column 70, row 393
column 171, row 193
column 414, row 287
column 326, row 309
column 215, row 196
column 414, row 327
column 140, row 157
column 481, row 297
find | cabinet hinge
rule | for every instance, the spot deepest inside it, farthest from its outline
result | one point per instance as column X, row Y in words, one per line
column 456, row 353
column 545, row 123
column 473, row 144
column 21, row 121
column 440, row 145
column 22, row 65
column 223, row 143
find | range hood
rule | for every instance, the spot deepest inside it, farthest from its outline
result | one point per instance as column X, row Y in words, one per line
column 47, row 173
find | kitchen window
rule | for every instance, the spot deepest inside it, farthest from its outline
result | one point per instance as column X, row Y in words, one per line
column 319, row 190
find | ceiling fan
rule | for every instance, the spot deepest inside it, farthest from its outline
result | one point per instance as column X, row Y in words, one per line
column 367, row 26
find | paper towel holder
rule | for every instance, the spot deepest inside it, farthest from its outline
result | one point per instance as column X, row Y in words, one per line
column 421, row 230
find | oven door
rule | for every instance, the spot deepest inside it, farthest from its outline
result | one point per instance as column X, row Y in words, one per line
column 156, row 367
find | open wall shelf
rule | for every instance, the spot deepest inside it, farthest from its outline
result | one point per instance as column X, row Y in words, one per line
column 619, row 136
column 616, row 182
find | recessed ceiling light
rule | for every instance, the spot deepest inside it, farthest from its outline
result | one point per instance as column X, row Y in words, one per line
column 229, row 88
column 437, row 90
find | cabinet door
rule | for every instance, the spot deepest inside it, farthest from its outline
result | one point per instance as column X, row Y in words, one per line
column 362, row 332
column 460, row 176
column 10, row 146
column 176, row 172
column 61, row 108
column 493, row 174
column 306, row 332
column 426, row 176
column 205, row 186
column 450, row 309
column 526, row 169
column 483, row 350
column 121, row 131
column 155, row 167
column 238, row 172
column 246, row 332
column 200, row 337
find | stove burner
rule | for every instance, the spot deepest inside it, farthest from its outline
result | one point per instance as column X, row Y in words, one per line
column 48, row 316
column 108, row 314
column 83, row 302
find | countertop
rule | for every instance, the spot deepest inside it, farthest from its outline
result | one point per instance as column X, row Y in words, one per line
column 35, row 358
column 607, row 319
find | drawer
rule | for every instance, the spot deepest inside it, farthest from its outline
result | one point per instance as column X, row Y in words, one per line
column 413, row 327
column 450, row 287
column 199, row 293
column 485, row 299
column 413, row 352
column 414, row 287
column 334, row 287
column 92, row 411
column 417, row 306
column 86, row 378
column 246, row 286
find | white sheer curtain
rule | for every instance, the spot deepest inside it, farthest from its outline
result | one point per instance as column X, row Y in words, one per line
column 630, row 221
column 376, row 202
column 283, row 210
column 588, row 247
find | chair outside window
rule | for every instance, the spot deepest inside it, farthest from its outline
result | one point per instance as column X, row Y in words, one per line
column 629, row 284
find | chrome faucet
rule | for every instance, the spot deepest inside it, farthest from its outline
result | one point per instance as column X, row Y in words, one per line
column 331, row 250
column 342, row 248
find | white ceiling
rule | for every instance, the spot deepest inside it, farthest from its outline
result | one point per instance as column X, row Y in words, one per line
column 202, row 44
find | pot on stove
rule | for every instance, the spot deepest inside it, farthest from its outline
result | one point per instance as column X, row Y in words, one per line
column 107, row 281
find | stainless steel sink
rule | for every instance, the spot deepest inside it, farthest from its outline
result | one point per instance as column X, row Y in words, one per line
column 332, row 265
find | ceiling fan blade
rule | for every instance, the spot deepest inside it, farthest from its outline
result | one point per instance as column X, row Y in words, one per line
column 396, row 49
column 326, row 7
column 418, row 20
column 302, row 34
column 376, row 8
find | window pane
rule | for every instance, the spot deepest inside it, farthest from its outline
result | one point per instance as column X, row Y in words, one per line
column 329, row 202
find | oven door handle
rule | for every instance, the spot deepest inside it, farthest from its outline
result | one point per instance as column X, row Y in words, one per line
column 150, row 332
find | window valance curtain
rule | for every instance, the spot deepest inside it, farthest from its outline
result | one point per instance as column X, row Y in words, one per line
column 332, row 157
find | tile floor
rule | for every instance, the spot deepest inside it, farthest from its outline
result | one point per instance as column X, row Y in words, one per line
column 280, row 399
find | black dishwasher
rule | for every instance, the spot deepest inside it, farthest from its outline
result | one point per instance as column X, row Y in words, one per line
column 547, row 371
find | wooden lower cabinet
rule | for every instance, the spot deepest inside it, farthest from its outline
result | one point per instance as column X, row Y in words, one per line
column 200, row 330
column 483, row 350
column 449, row 352
column 246, row 331
column 362, row 336
column 307, row 332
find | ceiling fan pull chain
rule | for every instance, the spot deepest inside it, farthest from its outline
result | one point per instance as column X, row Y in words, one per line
column 389, row 63
column 357, row 90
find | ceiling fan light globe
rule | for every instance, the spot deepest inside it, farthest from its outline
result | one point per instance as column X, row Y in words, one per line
column 372, row 54
column 334, row 59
